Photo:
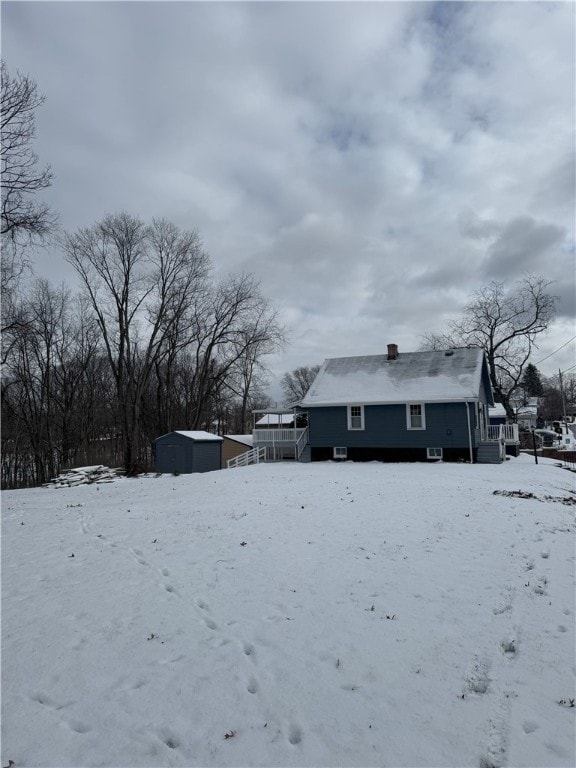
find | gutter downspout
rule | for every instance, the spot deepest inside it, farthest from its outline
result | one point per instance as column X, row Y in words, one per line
column 469, row 432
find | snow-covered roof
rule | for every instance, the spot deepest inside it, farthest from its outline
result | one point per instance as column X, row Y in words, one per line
column 244, row 439
column 275, row 418
column 527, row 410
column 497, row 410
column 205, row 436
column 434, row 376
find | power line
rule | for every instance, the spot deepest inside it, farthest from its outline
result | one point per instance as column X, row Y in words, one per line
column 556, row 350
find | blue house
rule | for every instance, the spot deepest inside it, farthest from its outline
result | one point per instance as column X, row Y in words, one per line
column 412, row 406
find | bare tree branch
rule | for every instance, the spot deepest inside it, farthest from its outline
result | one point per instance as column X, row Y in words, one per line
column 295, row 384
column 24, row 219
column 506, row 323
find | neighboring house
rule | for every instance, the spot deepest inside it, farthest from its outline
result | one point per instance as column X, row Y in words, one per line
column 413, row 406
column 183, row 452
column 519, row 399
column 527, row 416
column 235, row 445
column 497, row 414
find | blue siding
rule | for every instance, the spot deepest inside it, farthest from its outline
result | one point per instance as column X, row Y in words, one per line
column 385, row 427
column 207, row 456
column 485, row 393
column 178, row 453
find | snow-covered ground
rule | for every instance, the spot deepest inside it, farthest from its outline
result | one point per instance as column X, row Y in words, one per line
column 293, row 615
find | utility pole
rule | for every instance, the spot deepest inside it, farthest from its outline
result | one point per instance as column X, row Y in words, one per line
column 562, row 396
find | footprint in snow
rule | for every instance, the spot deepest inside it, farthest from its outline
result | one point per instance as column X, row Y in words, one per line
column 46, row 701
column 169, row 738
column 529, row 726
column 139, row 556
column 509, row 648
column 43, row 699
column 294, row 735
column 78, row 726
column 248, row 649
column 477, row 679
column 503, row 608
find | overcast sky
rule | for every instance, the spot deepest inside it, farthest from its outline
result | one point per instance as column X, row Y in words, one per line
column 371, row 163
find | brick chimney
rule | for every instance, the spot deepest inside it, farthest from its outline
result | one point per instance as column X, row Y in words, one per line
column 392, row 351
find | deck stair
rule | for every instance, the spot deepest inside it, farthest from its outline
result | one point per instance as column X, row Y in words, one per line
column 496, row 441
column 490, row 452
column 303, row 451
column 306, row 454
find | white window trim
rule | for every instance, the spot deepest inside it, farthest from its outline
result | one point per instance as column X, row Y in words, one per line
column 436, row 458
column 341, row 455
column 409, row 420
column 350, row 427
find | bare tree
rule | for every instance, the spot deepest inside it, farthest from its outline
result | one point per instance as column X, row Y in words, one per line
column 260, row 335
column 141, row 282
column 234, row 328
column 295, row 384
column 45, row 374
column 23, row 217
column 213, row 366
column 506, row 324
column 24, row 220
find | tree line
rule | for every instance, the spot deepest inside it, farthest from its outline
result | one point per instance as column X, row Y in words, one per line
column 151, row 342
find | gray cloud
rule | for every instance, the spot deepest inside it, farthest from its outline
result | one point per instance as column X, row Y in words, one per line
column 372, row 163
column 523, row 246
column 472, row 226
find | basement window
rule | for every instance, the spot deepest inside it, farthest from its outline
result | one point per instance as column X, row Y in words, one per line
column 340, row 453
column 434, row 453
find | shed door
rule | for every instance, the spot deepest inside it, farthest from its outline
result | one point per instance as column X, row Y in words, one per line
column 174, row 459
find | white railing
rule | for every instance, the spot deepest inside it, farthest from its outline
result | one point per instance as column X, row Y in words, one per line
column 506, row 432
column 273, row 436
column 255, row 456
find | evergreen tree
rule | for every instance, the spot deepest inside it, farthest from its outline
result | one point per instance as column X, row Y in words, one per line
column 531, row 382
